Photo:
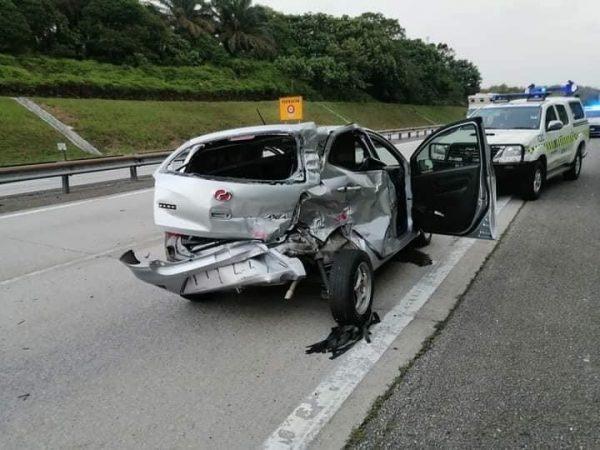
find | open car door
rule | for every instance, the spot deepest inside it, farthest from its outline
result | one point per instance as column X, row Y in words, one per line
column 453, row 183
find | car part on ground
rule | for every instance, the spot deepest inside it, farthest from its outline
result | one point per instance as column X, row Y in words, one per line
column 342, row 338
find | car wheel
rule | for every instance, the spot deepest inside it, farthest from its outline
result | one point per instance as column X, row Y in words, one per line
column 422, row 240
column 532, row 185
column 575, row 170
column 351, row 286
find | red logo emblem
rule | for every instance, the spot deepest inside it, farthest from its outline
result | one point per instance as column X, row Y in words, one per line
column 223, row 195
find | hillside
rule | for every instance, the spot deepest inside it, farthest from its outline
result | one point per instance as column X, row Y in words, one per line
column 126, row 126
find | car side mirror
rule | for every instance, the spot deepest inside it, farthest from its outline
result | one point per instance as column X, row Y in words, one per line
column 554, row 125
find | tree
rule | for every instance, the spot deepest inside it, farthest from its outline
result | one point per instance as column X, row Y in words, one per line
column 241, row 27
column 193, row 17
column 123, row 31
column 45, row 22
column 15, row 34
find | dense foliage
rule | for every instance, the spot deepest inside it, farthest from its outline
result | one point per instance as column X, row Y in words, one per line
column 368, row 56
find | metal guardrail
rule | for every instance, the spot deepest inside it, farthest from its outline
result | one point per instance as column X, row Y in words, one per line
column 65, row 169
column 401, row 134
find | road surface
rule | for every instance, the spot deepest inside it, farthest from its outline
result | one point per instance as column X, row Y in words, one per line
column 91, row 357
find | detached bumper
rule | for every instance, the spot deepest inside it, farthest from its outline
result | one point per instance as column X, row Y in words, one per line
column 226, row 267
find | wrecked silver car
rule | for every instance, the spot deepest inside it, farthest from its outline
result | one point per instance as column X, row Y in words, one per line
column 271, row 205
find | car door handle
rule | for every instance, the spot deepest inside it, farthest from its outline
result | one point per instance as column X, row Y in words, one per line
column 349, row 188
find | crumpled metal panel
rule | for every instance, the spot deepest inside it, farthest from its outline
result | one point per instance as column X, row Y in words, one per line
column 225, row 267
column 368, row 208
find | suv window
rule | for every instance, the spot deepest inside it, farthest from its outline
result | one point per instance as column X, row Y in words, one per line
column 577, row 110
column 383, row 153
column 550, row 115
column 562, row 113
column 349, row 151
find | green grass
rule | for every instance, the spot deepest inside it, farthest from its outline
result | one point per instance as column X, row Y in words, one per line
column 235, row 80
column 126, row 126
column 24, row 138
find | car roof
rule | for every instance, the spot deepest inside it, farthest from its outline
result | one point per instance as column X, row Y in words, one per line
column 524, row 102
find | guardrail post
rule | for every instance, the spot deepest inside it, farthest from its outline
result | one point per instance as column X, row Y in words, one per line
column 133, row 173
column 65, row 184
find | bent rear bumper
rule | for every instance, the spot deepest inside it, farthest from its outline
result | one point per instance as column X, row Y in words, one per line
column 228, row 266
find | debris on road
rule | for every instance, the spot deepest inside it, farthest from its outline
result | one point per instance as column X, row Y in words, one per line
column 342, row 338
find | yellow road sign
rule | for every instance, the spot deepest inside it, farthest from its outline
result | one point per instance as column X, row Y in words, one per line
column 290, row 108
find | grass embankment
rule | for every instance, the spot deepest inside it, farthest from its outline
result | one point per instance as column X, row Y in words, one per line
column 123, row 126
column 56, row 77
column 24, row 138
column 119, row 127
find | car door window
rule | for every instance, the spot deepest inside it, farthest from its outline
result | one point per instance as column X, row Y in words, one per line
column 452, row 182
column 455, row 148
column 562, row 114
column 383, row 153
column 577, row 110
column 349, row 151
column 550, row 115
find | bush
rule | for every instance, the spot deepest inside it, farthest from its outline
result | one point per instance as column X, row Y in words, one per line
column 238, row 80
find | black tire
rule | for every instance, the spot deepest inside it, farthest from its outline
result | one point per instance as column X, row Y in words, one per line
column 573, row 173
column 346, row 308
column 534, row 181
column 422, row 240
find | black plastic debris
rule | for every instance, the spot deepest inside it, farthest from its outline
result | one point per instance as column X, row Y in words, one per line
column 343, row 338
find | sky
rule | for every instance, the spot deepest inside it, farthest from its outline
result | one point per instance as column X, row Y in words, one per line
column 517, row 42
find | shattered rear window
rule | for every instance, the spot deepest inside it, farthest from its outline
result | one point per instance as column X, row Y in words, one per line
column 257, row 158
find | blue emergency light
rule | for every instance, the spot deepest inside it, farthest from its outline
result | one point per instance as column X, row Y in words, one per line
column 534, row 92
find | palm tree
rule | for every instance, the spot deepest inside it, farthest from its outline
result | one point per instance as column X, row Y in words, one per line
column 194, row 17
column 241, row 27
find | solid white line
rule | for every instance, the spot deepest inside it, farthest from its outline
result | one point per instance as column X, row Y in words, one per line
column 75, row 203
column 307, row 420
column 78, row 261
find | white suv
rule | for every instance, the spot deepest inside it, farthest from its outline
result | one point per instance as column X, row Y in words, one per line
column 535, row 139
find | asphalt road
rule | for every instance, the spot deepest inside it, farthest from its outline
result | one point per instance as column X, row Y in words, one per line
column 518, row 363
column 91, row 357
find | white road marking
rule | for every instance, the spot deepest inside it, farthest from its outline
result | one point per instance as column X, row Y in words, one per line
column 76, row 203
column 307, row 420
column 79, row 260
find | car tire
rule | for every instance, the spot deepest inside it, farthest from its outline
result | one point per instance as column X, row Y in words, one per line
column 573, row 173
column 534, row 181
column 351, row 287
column 422, row 240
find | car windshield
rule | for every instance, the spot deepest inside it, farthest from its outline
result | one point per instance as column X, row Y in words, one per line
column 592, row 112
column 510, row 117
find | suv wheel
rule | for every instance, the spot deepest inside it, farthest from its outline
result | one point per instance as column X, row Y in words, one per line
column 575, row 170
column 351, row 285
column 532, row 185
